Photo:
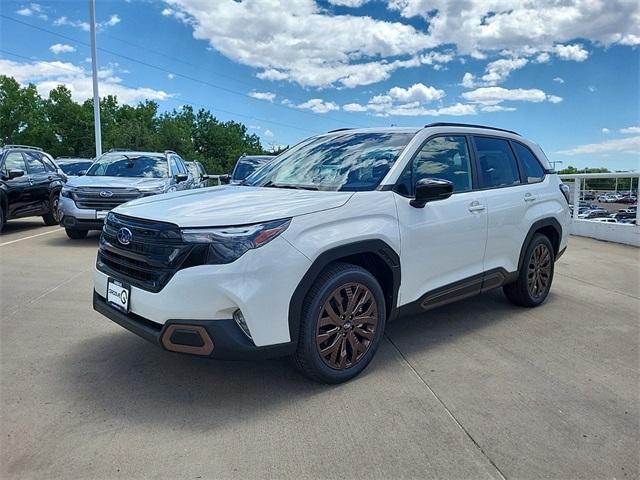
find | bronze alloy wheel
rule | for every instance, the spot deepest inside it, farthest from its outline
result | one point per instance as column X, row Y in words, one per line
column 539, row 271
column 346, row 325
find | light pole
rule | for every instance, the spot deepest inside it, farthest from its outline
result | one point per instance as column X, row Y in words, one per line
column 94, row 68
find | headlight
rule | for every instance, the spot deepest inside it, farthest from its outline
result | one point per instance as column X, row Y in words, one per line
column 67, row 192
column 227, row 244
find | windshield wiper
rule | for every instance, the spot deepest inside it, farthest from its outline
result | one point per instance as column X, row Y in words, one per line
column 293, row 187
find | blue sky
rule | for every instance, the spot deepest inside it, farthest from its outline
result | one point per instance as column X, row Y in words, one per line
column 565, row 75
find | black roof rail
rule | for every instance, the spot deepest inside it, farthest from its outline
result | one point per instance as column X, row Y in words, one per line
column 111, row 150
column 339, row 130
column 468, row 125
column 22, row 146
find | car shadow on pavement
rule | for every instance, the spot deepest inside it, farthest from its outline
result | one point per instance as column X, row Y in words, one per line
column 63, row 241
column 123, row 375
column 23, row 225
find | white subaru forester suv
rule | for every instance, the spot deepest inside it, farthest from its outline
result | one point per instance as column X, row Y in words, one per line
column 318, row 250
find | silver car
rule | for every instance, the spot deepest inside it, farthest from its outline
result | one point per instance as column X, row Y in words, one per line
column 115, row 178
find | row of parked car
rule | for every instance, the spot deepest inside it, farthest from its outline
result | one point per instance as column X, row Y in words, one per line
column 611, row 197
column 77, row 193
column 590, row 211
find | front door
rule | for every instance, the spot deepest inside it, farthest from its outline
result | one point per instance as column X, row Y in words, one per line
column 442, row 243
column 19, row 191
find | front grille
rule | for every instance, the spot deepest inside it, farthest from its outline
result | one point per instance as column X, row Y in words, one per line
column 156, row 252
column 98, row 198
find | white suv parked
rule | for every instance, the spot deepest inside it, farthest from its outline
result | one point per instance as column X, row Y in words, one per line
column 314, row 253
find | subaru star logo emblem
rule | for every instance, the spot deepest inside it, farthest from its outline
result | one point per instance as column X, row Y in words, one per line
column 124, row 236
column 106, row 194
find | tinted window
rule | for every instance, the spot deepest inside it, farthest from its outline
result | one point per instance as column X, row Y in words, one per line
column 119, row 165
column 14, row 161
column 34, row 163
column 182, row 168
column 49, row 163
column 247, row 165
column 341, row 162
column 498, row 166
column 175, row 170
column 72, row 168
column 441, row 157
column 533, row 171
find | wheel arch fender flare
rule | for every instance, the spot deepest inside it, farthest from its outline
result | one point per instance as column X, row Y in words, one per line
column 540, row 224
column 379, row 248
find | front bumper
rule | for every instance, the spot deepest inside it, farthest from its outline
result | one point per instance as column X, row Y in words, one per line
column 220, row 339
column 77, row 218
column 260, row 284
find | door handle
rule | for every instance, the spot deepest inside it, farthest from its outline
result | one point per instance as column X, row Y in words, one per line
column 476, row 206
column 528, row 197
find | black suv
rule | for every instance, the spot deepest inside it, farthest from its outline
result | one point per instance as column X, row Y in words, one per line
column 30, row 184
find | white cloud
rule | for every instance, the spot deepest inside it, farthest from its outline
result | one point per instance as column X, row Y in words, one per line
column 468, row 80
column 82, row 25
column 354, row 107
column 543, row 57
column 268, row 133
column 620, row 145
column 48, row 75
column 628, row 130
column 170, row 76
column 571, row 52
column 605, row 130
column 301, row 41
column 416, row 93
column 592, row 88
column 497, row 95
column 59, row 48
column 499, row 70
column 33, row 9
column 558, row 79
column 497, row 108
column 525, row 26
column 268, row 96
column 316, row 105
column 348, row 3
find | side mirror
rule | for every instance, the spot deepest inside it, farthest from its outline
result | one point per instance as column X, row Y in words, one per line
column 429, row 190
column 226, row 178
column 81, row 173
column 181, row 177
column 15, row 173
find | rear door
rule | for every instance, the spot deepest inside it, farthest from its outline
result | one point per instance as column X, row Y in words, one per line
column 508, row 199
column 444, row 242
column 41, row 174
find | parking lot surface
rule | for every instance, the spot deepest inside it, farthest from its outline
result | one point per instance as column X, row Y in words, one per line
column 477, row 389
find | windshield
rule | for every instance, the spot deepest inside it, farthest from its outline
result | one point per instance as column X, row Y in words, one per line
column 130, row 165
column 247, row 165
column 72, row 168
column 345, row 162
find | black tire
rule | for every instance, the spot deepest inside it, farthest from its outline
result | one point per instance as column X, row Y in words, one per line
column 2, row 218
column 369, row 302
column 52, row 217
column 536, row 275
column 76, row 234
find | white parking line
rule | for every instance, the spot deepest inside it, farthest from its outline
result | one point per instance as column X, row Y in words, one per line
column 31, row 236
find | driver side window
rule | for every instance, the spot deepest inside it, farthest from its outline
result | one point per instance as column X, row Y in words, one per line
column 445, row 158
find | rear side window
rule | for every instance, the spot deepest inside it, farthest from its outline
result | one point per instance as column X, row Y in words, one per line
column 498, row 166
column 533, row 171
column 34, row 163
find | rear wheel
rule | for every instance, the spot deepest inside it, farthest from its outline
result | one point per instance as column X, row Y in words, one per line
column 53, row 217
column 76, row 234
column 342, row 324
column 2, row 218
column 535, row 276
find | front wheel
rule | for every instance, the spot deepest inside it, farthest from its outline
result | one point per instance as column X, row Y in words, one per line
column 53, row 217
column 2, row 218
column 76, row 234
column 535, row 276
column 342, row 324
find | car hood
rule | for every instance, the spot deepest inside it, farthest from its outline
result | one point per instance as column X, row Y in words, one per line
column 231, row 205
column 115, row 182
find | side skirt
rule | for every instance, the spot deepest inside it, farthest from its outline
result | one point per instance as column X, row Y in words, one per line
column 459, row 290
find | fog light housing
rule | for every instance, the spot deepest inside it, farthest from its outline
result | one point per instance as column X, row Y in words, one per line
column 240, row 321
